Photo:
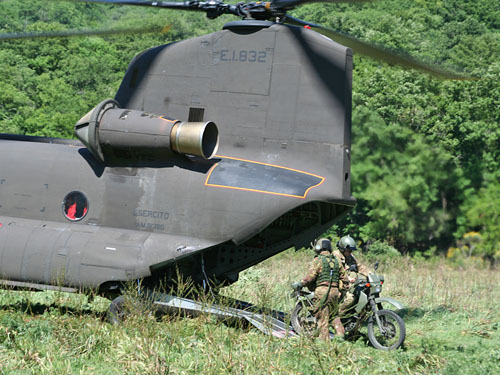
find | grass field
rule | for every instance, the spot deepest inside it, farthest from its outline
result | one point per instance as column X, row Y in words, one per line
column 452, row 320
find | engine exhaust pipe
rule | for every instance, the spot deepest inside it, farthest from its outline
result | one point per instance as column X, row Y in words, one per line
column 195, row 138
column 109, row 131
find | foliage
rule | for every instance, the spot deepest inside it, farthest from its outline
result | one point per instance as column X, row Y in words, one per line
column 47, row 85
column 454, row 124
column 425, row 151
column 381, row 251
column 482, row 211
column 403, row 194
column 466, row 250
column 452, row 326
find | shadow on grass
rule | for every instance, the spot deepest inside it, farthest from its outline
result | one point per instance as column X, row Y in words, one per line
column 36, row 308
column 410, row 313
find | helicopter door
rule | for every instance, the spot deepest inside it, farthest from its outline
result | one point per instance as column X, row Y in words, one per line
column 13, row 240
column 66, row 257
column 37, row 254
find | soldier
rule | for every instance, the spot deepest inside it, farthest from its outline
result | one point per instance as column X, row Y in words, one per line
column 324, row 275
column 353, row 269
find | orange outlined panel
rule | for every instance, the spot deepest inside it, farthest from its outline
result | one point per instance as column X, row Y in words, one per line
column 249, row 175
column 168, row 119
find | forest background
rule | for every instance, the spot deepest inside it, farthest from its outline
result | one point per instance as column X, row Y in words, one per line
column 426, row 151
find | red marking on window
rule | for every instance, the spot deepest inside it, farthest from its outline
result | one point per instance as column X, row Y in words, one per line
column 0, row 225
column 71, row 211
column 307, row 27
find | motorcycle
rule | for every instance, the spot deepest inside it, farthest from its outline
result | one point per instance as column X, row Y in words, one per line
column 386, row 329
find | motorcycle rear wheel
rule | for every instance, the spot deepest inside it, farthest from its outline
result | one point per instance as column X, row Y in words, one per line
column 303, row 322
column 394, row 331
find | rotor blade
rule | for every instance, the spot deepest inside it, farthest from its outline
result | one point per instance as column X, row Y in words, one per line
column 294, row 3
column 77, row 33
column 157, row 4
column 331, row 1
column 377, row 52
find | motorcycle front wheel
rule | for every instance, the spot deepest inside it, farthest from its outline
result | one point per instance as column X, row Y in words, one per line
column 303, row 322
column 393, row 331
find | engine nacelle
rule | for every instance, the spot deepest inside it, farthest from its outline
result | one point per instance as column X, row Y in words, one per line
column 108, row 130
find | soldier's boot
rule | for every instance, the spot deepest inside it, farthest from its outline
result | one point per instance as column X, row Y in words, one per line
column 339, row 328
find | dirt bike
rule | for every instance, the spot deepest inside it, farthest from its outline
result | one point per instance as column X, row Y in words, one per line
column 386, row 329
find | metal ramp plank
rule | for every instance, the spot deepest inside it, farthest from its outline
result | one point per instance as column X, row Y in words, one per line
column 270, row 325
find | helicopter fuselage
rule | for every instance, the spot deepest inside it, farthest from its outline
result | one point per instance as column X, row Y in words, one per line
column 281, row 99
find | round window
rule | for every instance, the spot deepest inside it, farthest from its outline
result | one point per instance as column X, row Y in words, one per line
column 75, row 206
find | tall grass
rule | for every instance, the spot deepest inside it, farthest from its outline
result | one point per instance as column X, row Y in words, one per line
column 452, row 322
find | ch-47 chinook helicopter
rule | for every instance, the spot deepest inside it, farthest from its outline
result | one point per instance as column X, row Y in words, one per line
column 216, row 153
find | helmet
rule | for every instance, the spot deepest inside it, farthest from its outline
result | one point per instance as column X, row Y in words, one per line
column 323, row 244
column 346, row 243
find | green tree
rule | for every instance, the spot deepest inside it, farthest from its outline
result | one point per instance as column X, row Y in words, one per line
column 482, row 213
column 408, row 190
column 422, row 146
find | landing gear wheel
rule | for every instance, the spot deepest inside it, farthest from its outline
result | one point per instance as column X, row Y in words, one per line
column 303, row 322
column 117, row 310
column 393, row 331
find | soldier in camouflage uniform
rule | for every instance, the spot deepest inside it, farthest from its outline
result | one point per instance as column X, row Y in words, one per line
column 345, row 246
column 324, row 275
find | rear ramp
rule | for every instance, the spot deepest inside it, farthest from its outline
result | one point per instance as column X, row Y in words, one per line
column 275, row 325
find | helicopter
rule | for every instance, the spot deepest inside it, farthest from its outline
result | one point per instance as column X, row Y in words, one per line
column 215, row 154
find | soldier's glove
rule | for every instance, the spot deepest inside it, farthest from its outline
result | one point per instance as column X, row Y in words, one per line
column 353, row 268
column 296, row 285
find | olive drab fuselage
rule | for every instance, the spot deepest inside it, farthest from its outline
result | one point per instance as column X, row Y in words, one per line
column 280, row 97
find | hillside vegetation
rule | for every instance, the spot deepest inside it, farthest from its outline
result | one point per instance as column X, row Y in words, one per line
column 452, row 320
column 425, row 172
column 426, row 152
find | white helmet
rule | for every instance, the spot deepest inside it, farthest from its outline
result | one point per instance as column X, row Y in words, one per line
column 346, row 243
